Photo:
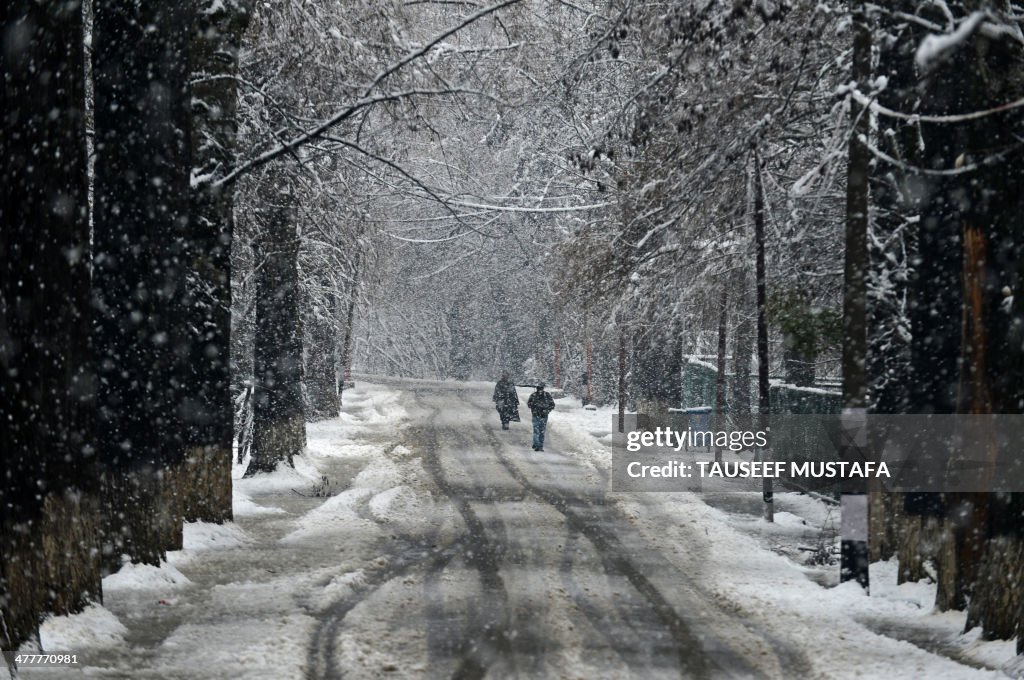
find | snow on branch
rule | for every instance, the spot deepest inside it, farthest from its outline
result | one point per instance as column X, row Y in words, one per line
column 935, row 49
column 875, row 107
column 366, row 99
column 516, row 208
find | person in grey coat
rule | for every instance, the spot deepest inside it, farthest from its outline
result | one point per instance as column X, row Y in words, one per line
column 506, row 401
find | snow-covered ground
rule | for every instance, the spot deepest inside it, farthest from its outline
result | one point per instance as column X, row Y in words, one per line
column 766, row 573
column 439, row 546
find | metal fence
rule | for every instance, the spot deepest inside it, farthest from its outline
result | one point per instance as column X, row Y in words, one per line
column 700, row 389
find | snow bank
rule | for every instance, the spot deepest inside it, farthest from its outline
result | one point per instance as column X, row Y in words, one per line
column 341, row 587
column 404, row 507
column 243, row 505
column 381, row 473
column 368, row 406
column 583, row 433
column 145, row 577
column 199, row 536
column 772, row 594
column 281, row 480
column 94, row 628
column 338, row 513
column 385, row 492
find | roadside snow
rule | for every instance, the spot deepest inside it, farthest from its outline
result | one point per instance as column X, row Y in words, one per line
column 145, row 577
column 200, row 536
column 282, row 480
column 764, row 575
column 93, row 628
column 238, row 600
column 243, row 505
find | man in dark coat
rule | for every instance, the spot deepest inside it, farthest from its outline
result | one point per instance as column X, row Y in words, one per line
column 506, row 401
column 541, row 404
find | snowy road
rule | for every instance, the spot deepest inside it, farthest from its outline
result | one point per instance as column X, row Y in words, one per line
column 446, row 548
column 545, row 577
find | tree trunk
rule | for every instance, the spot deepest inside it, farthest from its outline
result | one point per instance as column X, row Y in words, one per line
column 279, row 431
column 48, row 539
column 992, row 379
column 589, row 394
column 919, row 540
column 855, row 270
column 345, row 368
column 141, row 230
column 203, row 483
column 855, row 552
column 321, row 365
column 243, row 331
column 891, row 256
column 971, row 248
column 621, row 391
column 934, row 293
column 996, row 591
column 885, row 514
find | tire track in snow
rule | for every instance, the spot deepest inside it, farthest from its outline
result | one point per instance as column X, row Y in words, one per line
column 582, row 518
column 582, row 515
column 625, row 640
column 322, row 662
column 493, row 642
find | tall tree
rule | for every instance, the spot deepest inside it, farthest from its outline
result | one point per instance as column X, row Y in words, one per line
column 207, row 410
column 320, row 350
column 141, row 240
column 966, row 347
column 892, row 250
column 47, row 527
column 987, row 546
column 279, row 429
column 854, row 557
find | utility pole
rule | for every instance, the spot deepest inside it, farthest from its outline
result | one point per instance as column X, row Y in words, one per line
column 723, row 324
column 590, row 371
column 854, row 502
column 622, row 380
column 763, row 387
column 558, row 363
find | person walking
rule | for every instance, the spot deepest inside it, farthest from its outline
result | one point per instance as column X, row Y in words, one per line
column 506, row 401
column 540, row 404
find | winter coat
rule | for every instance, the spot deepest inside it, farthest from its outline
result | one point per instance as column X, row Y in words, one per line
column 541, row 404
column 506, row 400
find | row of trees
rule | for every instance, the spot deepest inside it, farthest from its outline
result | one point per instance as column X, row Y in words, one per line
column 115, row 394
column 186, row 206
column 871, row 156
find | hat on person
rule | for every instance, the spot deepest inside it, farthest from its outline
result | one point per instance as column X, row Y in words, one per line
column 540, row 386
